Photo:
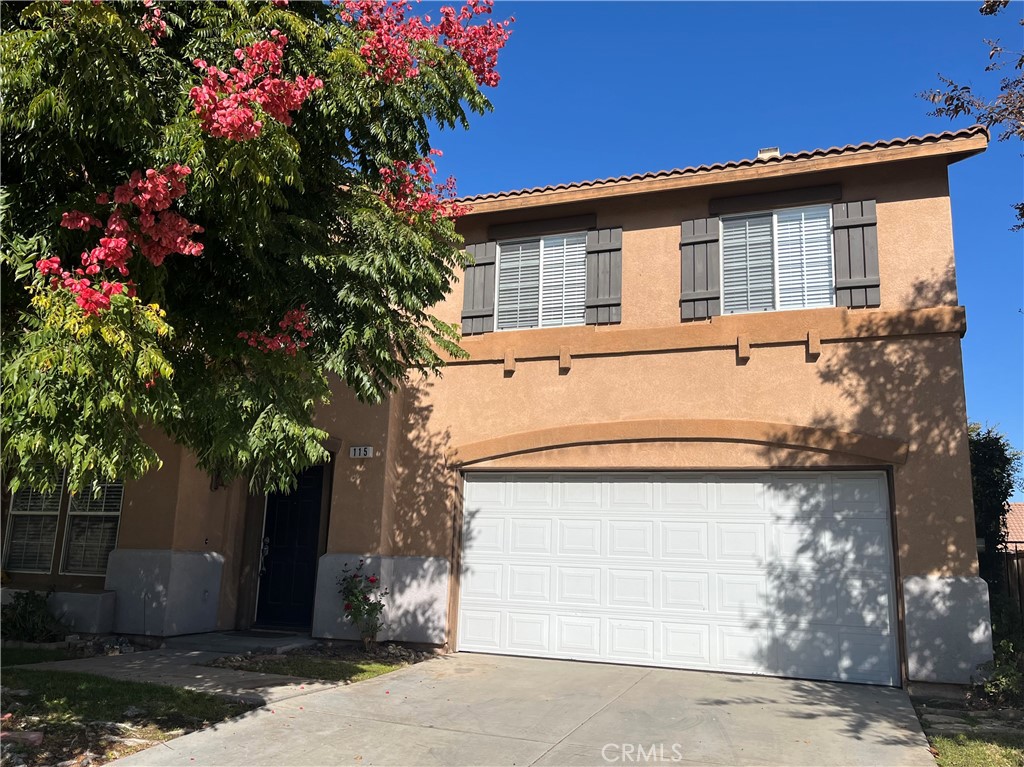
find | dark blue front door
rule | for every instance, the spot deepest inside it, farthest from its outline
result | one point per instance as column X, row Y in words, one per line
column 291, row 535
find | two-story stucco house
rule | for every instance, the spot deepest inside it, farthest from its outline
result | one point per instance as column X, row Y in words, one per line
column 711, row 418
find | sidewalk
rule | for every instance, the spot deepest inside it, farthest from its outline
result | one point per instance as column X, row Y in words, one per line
column 184, row 668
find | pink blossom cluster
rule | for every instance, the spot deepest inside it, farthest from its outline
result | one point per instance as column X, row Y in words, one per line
column 152, row 23
column 292, row 337
column 226, row 101
column 392, row 35
column 159, row 233
column 409, row 188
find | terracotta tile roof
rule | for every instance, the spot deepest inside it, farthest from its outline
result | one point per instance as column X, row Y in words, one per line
column 1015, row 523
column 930, row 138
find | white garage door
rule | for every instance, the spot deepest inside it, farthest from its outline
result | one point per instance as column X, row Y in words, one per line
column 784, row 574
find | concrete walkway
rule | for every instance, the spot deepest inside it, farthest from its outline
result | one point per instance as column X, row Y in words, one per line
column 490, row 710
column 184, row 668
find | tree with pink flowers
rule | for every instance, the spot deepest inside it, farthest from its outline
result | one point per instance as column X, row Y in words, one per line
column 209, row 211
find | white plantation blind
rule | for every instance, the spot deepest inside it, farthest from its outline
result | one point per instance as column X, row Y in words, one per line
column 803, row 240
column 747, row 264
column 91, row 533
column 32, row 530
column 543, row 282
column 519, row 285
column 564, row 275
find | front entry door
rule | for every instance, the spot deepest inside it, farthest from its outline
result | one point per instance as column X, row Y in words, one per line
column 291, row 535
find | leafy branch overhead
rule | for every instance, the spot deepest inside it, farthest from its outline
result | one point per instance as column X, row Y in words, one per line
column 212, row 210
column 1003, row 111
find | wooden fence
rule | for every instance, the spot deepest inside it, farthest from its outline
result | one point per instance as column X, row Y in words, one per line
column 1013, row 578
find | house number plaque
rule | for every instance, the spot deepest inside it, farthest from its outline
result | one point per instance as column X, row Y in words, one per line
column 360, row 451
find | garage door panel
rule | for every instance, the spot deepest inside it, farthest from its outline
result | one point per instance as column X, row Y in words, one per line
column 860, row 492
column 579, row 586
column 807, row 652
column 685, row 496
column 530, row 536
column 803, row 596
column 481, row 629
column 483, row 581
column 785, row 574
column 483, row 535
column 744, row 648
column 801, row 495
column 533, row 492
column 743, row 494
column 631, row 640
column 577, row 636
column 631, row 539
column 631, row 589
column 581, row 493
column 529, row 632
column 685, row 591
column 580, row 537
column 742, row 542
column 686, row 644
column 742, row 595
column 684, row 540
column 625, row 494
column 529, row 583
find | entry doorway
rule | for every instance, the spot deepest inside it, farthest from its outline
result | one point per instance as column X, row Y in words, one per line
column 294, row 529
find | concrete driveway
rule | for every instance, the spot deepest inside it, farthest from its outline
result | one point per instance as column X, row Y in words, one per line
column 491, row 710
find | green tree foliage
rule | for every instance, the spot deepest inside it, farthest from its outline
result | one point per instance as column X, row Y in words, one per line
column 294, row 217
column 1004, row 110
column 995, row 474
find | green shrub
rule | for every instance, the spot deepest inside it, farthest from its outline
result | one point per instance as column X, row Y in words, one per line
column 27, row 618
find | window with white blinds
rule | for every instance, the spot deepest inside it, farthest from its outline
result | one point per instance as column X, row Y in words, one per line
column 542, row 282
column 91, row 531
column 778, row 260
column 32, row 530
column 90, row 522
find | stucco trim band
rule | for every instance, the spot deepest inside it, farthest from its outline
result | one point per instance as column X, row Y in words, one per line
column 794, row 327
column 876, row 449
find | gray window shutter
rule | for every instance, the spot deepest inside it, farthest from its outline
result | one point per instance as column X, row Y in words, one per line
column 604, row 276
column 700, row 274
column 478, row 298
column 855, row 241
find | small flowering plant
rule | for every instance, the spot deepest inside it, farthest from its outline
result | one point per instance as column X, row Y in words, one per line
column 363, row 598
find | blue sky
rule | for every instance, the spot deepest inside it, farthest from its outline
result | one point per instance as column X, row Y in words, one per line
column 591, row 90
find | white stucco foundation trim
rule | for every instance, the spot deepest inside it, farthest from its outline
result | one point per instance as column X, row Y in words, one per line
column 949, row 628
column 165, row 593
column 415, row 611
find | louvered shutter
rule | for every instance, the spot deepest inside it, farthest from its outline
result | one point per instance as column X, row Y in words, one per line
column 747, row 265
column 700, row 283
column 564, row 280
column 855, row 240
column 519, row 285
column 478, row 296
column 92, row 529
column 803, row 240
column 604, row 276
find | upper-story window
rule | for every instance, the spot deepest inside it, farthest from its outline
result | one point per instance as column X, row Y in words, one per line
column 777, row 260
column 542, row 282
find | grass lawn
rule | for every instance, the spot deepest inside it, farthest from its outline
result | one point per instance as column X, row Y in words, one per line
column 110, row 718
column 315, row 667
column 18, row 656
column 979, row 750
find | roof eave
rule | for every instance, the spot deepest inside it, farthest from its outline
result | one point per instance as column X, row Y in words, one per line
column 954, row 149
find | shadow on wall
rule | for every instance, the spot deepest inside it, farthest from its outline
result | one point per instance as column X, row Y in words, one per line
column 419, row 536
column 911, row 389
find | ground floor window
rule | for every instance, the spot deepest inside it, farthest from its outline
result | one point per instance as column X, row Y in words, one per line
column 82, row 528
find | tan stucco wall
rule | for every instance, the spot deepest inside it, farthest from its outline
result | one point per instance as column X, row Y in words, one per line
column 909, row 388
